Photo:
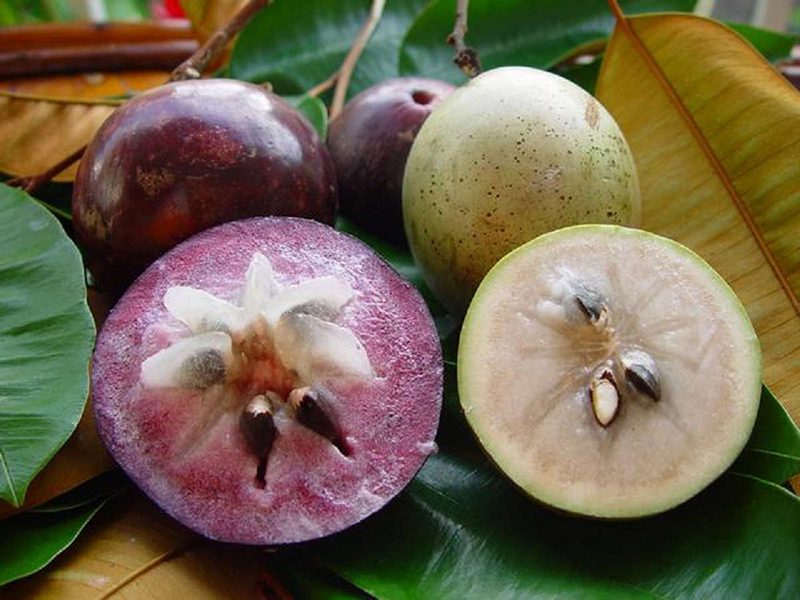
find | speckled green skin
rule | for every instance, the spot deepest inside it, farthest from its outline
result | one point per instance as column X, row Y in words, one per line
column 513, row 154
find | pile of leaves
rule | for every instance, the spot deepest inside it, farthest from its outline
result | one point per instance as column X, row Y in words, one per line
column 716, row 135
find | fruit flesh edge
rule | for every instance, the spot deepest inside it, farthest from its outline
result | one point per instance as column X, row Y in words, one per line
column 597, row 492
column 312, row 490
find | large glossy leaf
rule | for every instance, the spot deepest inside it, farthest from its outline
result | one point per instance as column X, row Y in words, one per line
column 715, row 131
column 380, row 59
column 80, row 459
column 296, row 45
column 512, row 32
column 461, row 530
column 46, row 337
column 31, row 541
column 773, row 450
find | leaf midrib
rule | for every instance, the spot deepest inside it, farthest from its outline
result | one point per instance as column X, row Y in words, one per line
column 705, row 147
column 7, row 474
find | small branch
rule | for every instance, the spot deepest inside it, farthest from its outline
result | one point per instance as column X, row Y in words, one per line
column 194, row 66
column 34, row 182
column 95, row 57
column 323, row 86
column 466, row 58
column 349, row 62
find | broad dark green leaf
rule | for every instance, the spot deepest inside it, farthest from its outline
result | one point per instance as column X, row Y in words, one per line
column 46, row 338
column 306, row 580
column 30, row 541
column 772, row 44
column 773, row 451
column 513, row 32
column 106, row 485
column 462, row 530
column 296, row 45
column 314, row 110
column 380, row 59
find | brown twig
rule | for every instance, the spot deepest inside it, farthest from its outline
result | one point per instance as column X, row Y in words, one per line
column 34, row 182
column 466, row 58
column 95, row 57
column 323, row 86
column 194, row 66
column 349, row 62
column 189, row 69
column 60, row 35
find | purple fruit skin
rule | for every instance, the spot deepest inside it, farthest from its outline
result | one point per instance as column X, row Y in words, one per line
column 189, row 155
column 369, row 143
column 311, row 490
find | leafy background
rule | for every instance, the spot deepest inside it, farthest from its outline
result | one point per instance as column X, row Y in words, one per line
column 460, row 529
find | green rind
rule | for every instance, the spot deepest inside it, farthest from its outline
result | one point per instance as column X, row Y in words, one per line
column 666, row 501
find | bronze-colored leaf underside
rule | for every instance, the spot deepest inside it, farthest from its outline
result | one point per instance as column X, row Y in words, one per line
column 715, row 131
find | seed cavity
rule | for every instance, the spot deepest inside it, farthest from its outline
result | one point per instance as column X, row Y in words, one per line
column 197, row 362
column 604, row 395
column 313, row 410
column 258, row 428
column 642, row 373
column 592, row 305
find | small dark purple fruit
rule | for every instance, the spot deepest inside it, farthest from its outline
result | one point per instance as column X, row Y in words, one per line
column 369, row 143
column 189, row 155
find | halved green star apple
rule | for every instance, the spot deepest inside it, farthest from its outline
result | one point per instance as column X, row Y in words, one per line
column 609, row 372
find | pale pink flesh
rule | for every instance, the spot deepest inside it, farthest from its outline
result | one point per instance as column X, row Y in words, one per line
column 311, row 489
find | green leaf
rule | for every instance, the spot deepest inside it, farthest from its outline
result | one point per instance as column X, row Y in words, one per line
column 513, row 32
column 46, row 338
column 773, row 451
column 306, row 580
column 30, row 541
column 314, row 110
column 380, row 59
column 462, row 530
column 296, row 45
column 104, row 486
column 772, row 44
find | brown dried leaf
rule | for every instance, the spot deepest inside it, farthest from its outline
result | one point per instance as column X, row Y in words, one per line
column 39, row 132
column 133, row 550
column 715, row 131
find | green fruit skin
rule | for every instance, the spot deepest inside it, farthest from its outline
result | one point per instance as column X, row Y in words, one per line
column 514, row 153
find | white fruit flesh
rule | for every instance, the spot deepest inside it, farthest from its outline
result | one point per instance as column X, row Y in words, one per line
column 528, row 356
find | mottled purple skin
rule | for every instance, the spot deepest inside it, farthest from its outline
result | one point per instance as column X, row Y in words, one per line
column 312, row 490
column 189, row 155
column 369, row 143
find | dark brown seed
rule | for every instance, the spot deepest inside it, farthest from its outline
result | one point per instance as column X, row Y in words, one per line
column 590, row 303
column 644, row 380
column 312, row 410
column 258, row 428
